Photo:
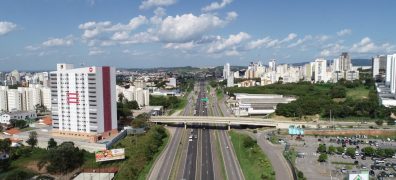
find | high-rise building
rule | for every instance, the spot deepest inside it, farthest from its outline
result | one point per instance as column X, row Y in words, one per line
column 33, row 97
column 84, row 102
column 226, row 70
column 14, row 100
column 379, row 65
column 3, row 99
column 272, row 65
column 391, row 68
column 230, row 80
column 46, row 97
column 345, row 63
column 320, row 66
column 16, row 75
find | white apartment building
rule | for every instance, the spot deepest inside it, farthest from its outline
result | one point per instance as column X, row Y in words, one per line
column 14, row 100
column 391, row 60
column 379, row 65
column 226, row 70
column 3, row 99
column 320, row 70
column 141, row 96
column 33, row 97
column 46, row 97
column 84, row 102
column 230, row 79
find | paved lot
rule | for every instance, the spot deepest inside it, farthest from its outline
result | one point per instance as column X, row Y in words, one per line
column 312, row 169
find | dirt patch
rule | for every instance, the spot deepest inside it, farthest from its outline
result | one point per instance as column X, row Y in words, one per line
column 33, row 166
column 369, row 132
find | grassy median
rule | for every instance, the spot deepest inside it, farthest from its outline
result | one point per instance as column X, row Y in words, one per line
column 253, row 161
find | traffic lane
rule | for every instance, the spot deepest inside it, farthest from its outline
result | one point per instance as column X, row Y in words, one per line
column 190, row 169
column 207, row 162
column 232, row 168
column 278, row 162
column 170, row 156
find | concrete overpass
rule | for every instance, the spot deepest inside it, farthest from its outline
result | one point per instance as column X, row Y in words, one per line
column 238, row 121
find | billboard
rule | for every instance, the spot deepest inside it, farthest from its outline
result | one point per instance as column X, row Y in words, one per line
column 359, row 176
column 109, row 155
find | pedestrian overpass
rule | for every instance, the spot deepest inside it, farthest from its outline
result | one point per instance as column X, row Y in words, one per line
column 230, row 121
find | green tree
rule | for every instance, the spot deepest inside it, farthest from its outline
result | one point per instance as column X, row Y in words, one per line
column 63, row 159
column 338, row 92
column 248, row 142
column 340, row 150
column 331, row 149
column 368, row 151
column 322, row 157
column 379, row 122
column 322, row 148
column 350, row 151
column 52, row 143
column 32, row 141
column 5, row 145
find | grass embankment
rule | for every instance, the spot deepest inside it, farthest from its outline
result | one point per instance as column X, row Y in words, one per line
column 25, row 164
column 253, row 161
column 357, row 93
column 141, row 152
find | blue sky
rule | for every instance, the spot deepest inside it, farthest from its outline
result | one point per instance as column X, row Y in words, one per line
column 35, row 35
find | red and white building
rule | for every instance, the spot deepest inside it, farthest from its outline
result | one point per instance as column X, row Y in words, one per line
column 83, row 102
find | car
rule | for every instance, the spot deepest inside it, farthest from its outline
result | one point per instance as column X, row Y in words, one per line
column 353, row 157
column 372, row 173
column 356, row 162
column 363, row 157
column 190, row 140
column 363, row 166
column 343, row 170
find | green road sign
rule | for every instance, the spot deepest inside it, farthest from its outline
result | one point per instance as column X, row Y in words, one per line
column 205, row 99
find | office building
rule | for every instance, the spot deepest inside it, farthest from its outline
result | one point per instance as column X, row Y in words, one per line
column 84, row 102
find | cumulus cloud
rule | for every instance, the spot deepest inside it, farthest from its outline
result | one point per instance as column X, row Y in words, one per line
column 216, row 5
column 332, row 49
column 188, row 27
column 300, row 41
column 147, row 4
column 269, row 42
column 53, row 42
column 364, row 46
column 93, row 29
column 6, row 27
column 344, row 32
column 229, row 43
column 95, row 51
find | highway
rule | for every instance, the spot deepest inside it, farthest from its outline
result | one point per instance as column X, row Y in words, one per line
column 199, row 149
column 231, row 163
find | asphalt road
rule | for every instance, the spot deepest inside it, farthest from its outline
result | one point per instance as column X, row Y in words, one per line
column 231, row 163
column 201, row 144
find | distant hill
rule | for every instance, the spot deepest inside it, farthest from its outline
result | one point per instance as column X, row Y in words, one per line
column 361, row 62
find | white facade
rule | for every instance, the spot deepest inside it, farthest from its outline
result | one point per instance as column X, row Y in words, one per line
column 388, row 69
column 320, row 70
column 230, row 80
column 46, row 97
column 172, row 82
column 226, row 70
column 392, row 71
column 3, row 99
column 272, row 65
column 33, row 97
column 14, row 100
column 83, row 99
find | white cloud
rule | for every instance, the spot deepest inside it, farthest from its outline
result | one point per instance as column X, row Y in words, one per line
column 216, row 5
column 364, row 46
column 300, row 41
column 289, row 37
column 146, row 4
column 93, row 29
column 182, row 46
column 53, row 42
column 322, row 38
column 231, row 16
column 120, row 36
column 188, row 27
column 6, row 27
column 344, row 32
column 230, row 43
column 95, row 51
column 258, row 43
column 332, row 49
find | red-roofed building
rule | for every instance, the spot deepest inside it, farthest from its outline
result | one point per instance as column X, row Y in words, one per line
column 12, row 131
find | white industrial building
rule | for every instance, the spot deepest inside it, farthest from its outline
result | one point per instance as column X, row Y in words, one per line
column 257, row 104
column 84, row 102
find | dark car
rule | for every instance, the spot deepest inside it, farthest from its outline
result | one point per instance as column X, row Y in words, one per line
column 356, row 162
column 363, row 157
column 372, row 173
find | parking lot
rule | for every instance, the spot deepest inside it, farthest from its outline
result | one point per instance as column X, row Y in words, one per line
column 338, row 166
